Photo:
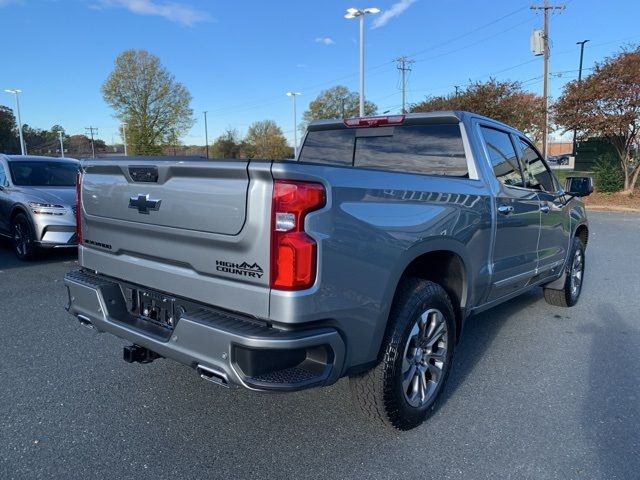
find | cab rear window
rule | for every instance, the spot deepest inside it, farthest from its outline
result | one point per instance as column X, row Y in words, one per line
column 434, row 149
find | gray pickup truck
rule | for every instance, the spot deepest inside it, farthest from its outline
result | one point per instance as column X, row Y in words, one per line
column 362, row 257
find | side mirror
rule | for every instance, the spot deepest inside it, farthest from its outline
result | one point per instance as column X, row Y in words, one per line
column 579, row 186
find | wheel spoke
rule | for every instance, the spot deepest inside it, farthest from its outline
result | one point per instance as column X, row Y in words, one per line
column 423, row 387
column 408, row 377
column 436, row 372
column 437, row 334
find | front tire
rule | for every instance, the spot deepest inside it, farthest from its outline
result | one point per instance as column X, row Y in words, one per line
column 569, row 295
column 403, row 389
column 23, row 238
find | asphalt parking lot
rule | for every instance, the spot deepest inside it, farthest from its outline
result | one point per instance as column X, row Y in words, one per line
column 536, row 392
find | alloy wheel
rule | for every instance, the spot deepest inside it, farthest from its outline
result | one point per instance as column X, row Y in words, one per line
column 577, row 271
column 424, row 358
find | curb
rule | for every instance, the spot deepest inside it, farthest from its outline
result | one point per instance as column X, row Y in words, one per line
column 608, row 208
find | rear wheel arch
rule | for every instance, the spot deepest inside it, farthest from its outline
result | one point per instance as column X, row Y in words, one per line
column 447, row 269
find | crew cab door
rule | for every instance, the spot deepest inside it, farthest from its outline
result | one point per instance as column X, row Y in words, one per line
column 555, row 226
column 517, row 210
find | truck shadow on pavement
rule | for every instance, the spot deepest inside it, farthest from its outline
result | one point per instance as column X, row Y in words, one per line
column 613, row 394
column 478, row 334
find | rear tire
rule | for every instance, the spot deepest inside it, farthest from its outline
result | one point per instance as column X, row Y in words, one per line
column 403, row 389
column 569, row 295
column 23, row 237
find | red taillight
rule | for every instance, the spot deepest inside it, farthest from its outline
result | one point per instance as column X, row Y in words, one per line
column 293, row 252
column 79, row 207
column 374, row 121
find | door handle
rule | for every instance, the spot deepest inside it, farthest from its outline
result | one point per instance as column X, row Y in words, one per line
column 505, row 209
column 544, row 208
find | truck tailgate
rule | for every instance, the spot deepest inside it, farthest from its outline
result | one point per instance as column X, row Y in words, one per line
column 182, row 227
column 200, row 196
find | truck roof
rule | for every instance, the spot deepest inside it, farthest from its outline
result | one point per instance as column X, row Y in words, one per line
column 38, row 158
column 443, row 116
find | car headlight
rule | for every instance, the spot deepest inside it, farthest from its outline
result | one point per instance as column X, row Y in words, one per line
column 47, row 208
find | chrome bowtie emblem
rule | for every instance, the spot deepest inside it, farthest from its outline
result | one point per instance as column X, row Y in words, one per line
column 143, row 203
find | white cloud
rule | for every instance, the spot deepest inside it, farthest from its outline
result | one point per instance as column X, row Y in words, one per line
column 395, row 10
column 325, row 40
column 173, row 11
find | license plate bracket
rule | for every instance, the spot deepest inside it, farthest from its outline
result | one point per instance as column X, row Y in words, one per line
column 157, row 308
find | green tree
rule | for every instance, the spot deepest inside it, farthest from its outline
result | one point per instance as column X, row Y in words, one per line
column 144, row 94
column 9, row 142
column 265, row 140
column 609, row 176
column 39, row 141
column 504, row 101
column 607, row 104
column 227, row 145
column 337, row 102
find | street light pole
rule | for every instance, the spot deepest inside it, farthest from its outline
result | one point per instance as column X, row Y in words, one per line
column 124, row 137
column 353, row 13
column 15, row 91
column 61, row 143
column 293, row 96
column 575, row 144
column 206, row 134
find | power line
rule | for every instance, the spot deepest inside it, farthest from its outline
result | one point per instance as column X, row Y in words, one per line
column 272, row 100
column 470, row 32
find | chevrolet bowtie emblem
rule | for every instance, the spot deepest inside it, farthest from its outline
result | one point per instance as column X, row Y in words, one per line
column 143, row 203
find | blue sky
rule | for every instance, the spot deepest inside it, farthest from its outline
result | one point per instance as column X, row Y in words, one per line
column 238, row 58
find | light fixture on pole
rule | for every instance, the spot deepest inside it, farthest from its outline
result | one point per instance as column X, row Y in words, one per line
column 353, row 13
column 124, row 137
column 293, row 96
column 15, row 91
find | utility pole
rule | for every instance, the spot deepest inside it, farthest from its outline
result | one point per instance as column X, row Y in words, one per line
column 16, row 92
column 91, row 130
column 61, row 143
column 293, row 96
column 206, row 133
column 545, row 84
column 457, row 87
column 575, row 145
column 124, row 137
column 404, row 65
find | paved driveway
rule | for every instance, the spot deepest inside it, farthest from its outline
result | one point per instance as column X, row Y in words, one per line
column 537, row 392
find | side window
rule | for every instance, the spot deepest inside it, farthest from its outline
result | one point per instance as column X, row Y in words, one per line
column 536, row 174
column 3, row 176
column 502, row 156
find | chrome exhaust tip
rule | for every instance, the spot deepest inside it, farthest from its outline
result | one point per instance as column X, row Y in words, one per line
column 85, row 322
column 212, row 375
